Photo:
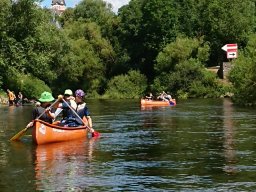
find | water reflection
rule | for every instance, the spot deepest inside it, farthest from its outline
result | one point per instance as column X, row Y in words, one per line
column 229, row 132
column 59, row 166
column 149, row 108
column 198, row 145
column 155, row 108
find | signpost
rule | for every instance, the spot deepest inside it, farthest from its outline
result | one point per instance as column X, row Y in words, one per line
column 232, row 53
column 231, row 50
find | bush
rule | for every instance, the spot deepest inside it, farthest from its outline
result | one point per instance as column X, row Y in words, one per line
column 32, row 87
column 190, row 79
column 131, row 85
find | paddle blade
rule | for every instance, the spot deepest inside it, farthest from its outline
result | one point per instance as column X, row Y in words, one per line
column 95, row 134
column 19, row 135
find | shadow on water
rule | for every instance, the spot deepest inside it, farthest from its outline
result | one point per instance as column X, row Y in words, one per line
column 198, row 145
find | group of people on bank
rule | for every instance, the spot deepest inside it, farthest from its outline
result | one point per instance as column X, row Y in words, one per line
column 13, row 99
column 73, row 108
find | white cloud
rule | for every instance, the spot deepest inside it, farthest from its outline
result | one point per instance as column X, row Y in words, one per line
column 75, row 2
column 117, row 4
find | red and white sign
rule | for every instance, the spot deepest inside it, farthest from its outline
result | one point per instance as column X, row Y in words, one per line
column 232, row 53
column 231, row 50
column 229, row 46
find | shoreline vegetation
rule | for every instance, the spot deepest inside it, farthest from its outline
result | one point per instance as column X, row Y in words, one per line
column 4, row 98
column 148, row 47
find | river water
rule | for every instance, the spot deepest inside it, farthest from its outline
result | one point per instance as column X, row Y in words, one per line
column 198, row 145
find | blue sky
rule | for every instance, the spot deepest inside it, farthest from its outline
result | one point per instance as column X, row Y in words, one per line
column 71, row 3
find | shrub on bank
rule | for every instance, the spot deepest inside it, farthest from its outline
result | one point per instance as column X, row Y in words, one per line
column 32, row 87
column 132, row 85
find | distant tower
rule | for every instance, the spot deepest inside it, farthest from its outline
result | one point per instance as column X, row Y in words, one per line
column 58, row 6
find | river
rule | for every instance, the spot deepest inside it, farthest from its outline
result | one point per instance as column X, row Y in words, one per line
column 198, row 145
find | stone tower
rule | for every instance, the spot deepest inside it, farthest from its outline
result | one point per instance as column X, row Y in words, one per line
column 58, row 6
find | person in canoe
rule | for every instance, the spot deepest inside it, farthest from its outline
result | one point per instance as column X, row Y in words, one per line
column 68, row 117
column 168, row 96
column 69, row 98
column 149, row 96
column 83, row 111
column 79, row 113
column 46, row 114
column 164, row 97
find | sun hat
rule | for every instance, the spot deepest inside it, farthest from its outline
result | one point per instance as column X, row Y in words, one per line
column 68, row 92
column 79, row 93
column 46, row 97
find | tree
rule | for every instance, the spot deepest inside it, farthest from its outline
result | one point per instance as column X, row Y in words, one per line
column 90, row 56
column 226, row 21
column 243, row 74
column 146, row 26
column 181, row 50
column 97, row 11
column 181, row 71
column 31, row 44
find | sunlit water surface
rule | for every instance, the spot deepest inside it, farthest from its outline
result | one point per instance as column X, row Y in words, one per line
column 198, row 145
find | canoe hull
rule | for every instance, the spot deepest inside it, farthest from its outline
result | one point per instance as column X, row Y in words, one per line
column 145, row 102
column 44, row 133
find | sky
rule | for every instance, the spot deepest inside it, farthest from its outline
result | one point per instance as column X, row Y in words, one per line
column 71, row 3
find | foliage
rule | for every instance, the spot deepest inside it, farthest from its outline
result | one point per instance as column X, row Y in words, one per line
column 181, row 71
column 44, row 52
column 102, row 32
column 181, row 50
column 89, row 57
column 152, row 42
column 146, row 26
column 30, row 86
column 232, row 26
column 97, row 11
column 243, row 74
column 66, row 17
column 132, row 85
column 33, row 87
column 31, row 44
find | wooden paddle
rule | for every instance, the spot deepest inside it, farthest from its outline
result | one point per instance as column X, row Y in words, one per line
column 94, row 133
column 23, row 131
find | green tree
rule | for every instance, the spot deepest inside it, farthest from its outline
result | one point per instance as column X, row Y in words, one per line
column 97, row 11
column 225, row 21
column 129, row 30
column 180, row 50
column 181, row 71
column 30, row 43
column 89, row 58
column 243, row 74
column 146, row 26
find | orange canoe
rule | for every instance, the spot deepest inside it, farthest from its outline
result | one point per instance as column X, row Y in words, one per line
column 145, row 102
column 44, row 133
